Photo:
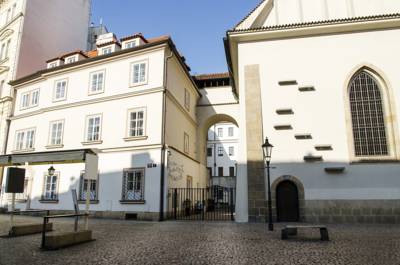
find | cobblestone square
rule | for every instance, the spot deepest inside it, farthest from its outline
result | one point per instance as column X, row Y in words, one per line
column 126, row 242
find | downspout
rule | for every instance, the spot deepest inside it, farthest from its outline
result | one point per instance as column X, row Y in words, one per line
column 230, row 65
column 163, row 148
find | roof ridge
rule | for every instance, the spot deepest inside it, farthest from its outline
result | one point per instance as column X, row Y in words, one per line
column 249, row 14
column 318, row 22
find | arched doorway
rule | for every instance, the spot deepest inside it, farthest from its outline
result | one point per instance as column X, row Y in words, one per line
column 287, row 202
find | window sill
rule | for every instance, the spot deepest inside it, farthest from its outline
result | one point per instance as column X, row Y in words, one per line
column 91, row 201
column 23, row 151
column 375, row 161
column 96, row 93
column 59, row 100
column 138, row 84
column 135, row 138
column 21, row 200
column 54, row 146
column 92, row 142
column 48, row 201
column 131, row 202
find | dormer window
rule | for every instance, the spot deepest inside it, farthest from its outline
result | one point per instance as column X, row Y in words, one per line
column 55, row 62
column 52, row 65
column 106, row 50
column 70, row 59
column 130, row 44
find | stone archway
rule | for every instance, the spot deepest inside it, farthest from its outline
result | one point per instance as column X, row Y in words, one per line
column 300, row 189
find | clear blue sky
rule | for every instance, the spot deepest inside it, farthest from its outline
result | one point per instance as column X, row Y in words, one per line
column 196, row 26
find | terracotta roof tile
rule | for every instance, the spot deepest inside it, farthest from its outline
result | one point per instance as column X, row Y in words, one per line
column 137, row 35
column 211, row 76
column 73, row 53
column 92, row 53
column 109, row 43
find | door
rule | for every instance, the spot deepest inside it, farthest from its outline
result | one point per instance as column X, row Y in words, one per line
column 287, row 202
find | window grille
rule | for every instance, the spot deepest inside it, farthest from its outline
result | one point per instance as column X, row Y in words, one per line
column 133, row 185
column 83, row 183
column 369, row 131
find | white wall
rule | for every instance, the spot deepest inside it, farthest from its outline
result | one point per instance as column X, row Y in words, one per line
column 52, row 28
column 325, row 62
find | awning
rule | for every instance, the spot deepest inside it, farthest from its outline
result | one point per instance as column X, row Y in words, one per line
column 56, row 157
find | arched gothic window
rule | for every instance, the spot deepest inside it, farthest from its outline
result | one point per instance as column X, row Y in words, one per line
column 367, row 115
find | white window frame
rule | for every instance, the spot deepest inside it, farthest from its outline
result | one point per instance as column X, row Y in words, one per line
column 231, row 131
column 186, row 143
column 94, row 187
column 231, row 150
column 29, row 99
column 22, row 144
column 71, row 59
column 7, row 51
column 220, row 132
column 86, row 137
column 98, row 91
column 61, row 134
column 3, row 51
column 187, row 99
column 128, row 131
column 55, row 90
column 220, row 151
column 131, row 44
column 53, row 193
column 146, row 74
column 106, row 50
column 52, row 65
column 135, row 189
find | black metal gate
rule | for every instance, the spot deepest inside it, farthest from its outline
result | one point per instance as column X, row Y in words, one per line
column 202, row 204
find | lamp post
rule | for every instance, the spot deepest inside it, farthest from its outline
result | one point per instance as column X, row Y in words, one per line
column 267, row 150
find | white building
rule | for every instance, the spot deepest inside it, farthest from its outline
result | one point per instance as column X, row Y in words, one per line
column 31, row 32
column 322, row 78
column 222, row 147
column 131, row 102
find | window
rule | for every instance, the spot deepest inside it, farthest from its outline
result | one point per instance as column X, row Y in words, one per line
column 130, row 44
column 7, row 51
column 30, row 99
column 8, row 18
column 93, row 127
column 220, row 151
column 139, row 73
column 52, row 65
column 187, row 100
column 133, row 185
column 97, row 82
column 209, row 151
column 230, row 131
column 209, row 170
column 189, row 182
column 2, row 87
column 220, row 171
column 3, row 51
column 71, row 59
column 220, row 132
column 50, row 187
column 231, row 151
column 60, row 90
column 83, row 185
column 13, row 10
column 366, row 106
column 106, row 50
column 186, row 143
column 25, row 139
column 136, row 123
column 56, row 133
column 231, row 171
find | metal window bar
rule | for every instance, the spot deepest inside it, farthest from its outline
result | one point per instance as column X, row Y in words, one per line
column 369, row 130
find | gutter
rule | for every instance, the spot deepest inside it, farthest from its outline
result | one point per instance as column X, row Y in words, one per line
column 230, row 65
column 164, row 147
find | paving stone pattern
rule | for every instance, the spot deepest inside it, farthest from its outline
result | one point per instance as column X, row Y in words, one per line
column 125, row 242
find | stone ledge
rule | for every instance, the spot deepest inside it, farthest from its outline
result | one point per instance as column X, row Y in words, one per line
column 61, row 240
column 28, row 229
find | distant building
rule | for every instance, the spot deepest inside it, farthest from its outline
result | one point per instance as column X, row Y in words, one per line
column 31, row 31
column 222, row 148
column 94, row 33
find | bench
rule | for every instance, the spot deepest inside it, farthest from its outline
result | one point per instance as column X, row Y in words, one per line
column 65, row 239
column 28, row 229
column 291, row 230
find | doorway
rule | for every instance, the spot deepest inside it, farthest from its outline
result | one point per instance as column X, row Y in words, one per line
column 287, row 202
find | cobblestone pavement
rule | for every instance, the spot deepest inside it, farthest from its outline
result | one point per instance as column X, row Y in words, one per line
column 125, row 242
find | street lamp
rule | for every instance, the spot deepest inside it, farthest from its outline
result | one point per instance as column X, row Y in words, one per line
column 267, row 151
column 51, row 171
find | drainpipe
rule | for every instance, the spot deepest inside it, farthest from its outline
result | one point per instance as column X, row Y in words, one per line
column 163, row 148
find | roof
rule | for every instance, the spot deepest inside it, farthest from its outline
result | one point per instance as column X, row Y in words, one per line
column 212, row 76
column 249, row 14
column 93, row 57
column 134, row 36
column 319, row 23
column 109, row 43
